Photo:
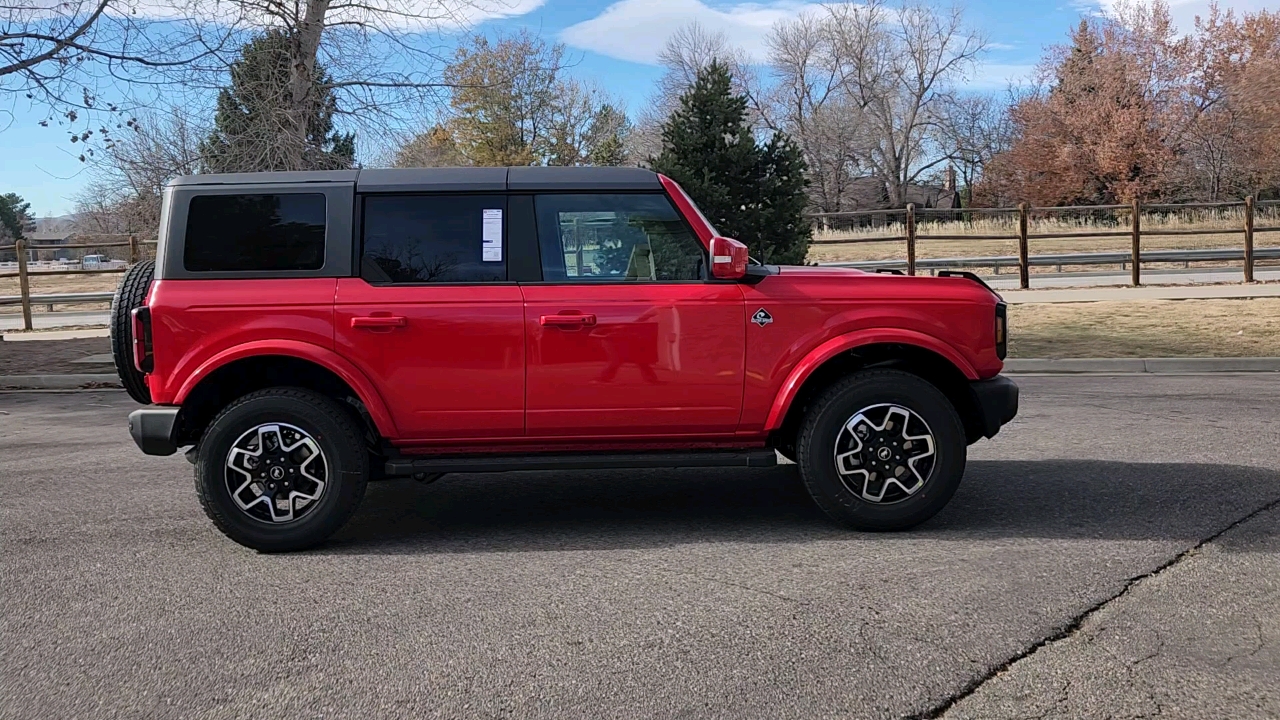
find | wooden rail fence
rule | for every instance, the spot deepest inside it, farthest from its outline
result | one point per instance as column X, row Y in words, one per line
column 910, row 236
column 911, row 216
column 22, row 247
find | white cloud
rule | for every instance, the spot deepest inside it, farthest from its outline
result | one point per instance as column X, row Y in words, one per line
column 1184, row 12
column 635, row 30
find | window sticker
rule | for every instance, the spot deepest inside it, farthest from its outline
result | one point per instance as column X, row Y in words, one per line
column 491, row 239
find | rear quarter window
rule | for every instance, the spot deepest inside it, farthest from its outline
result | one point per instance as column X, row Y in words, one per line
column 229, row 233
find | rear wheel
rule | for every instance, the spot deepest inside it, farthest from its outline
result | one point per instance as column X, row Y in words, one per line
column 281, row 469
column 131, row 293
column 882, row 450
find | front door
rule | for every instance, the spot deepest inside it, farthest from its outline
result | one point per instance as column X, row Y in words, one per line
column 626, row 336
column 433, row 320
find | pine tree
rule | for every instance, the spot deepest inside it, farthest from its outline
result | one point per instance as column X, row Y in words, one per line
column 14, row 215
column 751, row 192
column 249, row 132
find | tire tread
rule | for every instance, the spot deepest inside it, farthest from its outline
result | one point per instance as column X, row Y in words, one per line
column 805, row 436
column 131, row 294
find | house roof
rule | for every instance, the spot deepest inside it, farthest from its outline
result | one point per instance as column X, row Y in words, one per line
column 48, row 235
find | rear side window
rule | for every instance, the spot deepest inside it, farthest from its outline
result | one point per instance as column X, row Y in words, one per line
column 434, row 239
column 616, row 238
column 229, row 233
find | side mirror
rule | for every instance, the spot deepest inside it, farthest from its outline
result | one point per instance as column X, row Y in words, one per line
column 728, row 258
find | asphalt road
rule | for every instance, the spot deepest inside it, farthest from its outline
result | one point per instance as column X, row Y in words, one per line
column 1113, row 553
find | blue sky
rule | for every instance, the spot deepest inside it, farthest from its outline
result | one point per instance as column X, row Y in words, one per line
column 615, row 43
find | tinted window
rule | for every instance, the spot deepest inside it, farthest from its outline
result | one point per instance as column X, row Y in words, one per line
column 434, row 238
column 255, row 232
column 616, row 238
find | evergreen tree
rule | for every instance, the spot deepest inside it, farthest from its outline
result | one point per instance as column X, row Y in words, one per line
column 250, row 127
column 14, row 215
column 606, row 141
column 751, row 192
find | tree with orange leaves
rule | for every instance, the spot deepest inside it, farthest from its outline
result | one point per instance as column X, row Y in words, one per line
column 1107, row 124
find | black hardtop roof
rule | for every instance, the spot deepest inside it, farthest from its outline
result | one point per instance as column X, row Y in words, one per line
column 473, row 179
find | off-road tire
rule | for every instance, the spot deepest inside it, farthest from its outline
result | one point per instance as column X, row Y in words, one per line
column 340, row 439
column 823, row 423
column 131, row 293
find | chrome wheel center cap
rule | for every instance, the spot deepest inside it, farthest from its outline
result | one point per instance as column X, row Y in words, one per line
column 276, row 472
column 883, row 453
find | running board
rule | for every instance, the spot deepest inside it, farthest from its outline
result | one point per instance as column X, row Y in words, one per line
column 407, row 466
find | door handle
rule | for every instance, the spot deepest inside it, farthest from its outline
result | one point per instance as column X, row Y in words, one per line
column 574, row 320
column 378, row 321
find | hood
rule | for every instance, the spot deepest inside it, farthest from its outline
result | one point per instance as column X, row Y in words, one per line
column 953, row 283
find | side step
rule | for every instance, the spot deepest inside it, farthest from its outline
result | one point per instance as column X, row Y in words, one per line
column 404, row 466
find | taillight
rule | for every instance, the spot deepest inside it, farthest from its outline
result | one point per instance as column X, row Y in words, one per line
column 142, row 359
column 1002, row 330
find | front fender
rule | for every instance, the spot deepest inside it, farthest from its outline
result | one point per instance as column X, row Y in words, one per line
column 323, row 357
column 843, row 343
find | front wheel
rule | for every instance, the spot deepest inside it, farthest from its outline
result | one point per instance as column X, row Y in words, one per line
column 281, row 469
column 882, row 450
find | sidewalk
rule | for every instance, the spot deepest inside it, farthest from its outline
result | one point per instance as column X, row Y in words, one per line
column 1158, row 292
column 1128, row 366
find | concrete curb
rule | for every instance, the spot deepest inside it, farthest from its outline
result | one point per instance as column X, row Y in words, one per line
column 1155, row 366
column 96, row 381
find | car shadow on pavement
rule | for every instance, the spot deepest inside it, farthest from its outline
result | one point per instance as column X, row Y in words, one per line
column 638, row 509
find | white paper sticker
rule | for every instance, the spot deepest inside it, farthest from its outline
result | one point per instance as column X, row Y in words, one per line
column 491, row 238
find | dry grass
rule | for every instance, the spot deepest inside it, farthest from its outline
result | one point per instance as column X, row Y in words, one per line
column 1155, row 328
column 1081, row 229
column 42, row 284
column 49, row 284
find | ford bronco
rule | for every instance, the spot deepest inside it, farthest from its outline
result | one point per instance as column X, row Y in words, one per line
column 305, row 333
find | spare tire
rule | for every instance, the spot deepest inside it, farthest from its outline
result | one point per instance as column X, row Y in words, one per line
column 131, row 294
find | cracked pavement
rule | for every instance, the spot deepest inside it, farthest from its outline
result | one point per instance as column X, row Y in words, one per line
column 1037, row 593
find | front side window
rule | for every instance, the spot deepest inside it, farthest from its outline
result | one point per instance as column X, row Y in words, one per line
column 232, row 233
column 434, row 239
column 616, row 238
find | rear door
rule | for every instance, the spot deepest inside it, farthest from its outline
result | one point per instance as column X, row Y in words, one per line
column 433, row 318
column 626, row 336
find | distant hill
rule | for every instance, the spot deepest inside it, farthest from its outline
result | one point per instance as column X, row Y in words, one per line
column 58, row 223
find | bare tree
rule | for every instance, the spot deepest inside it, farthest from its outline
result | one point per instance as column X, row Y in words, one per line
column 433, row 148
column 511, row 104
column 84, row 59
column 976, row 128
column 686, row 52
column 810, row 102
column 128, row 178
column 864, row 89
column 378, row 58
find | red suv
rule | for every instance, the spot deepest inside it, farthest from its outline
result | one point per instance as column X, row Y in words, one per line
column 305, row 333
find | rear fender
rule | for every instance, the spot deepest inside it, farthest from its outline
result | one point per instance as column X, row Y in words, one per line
column 851, row 341
column 323, row 357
